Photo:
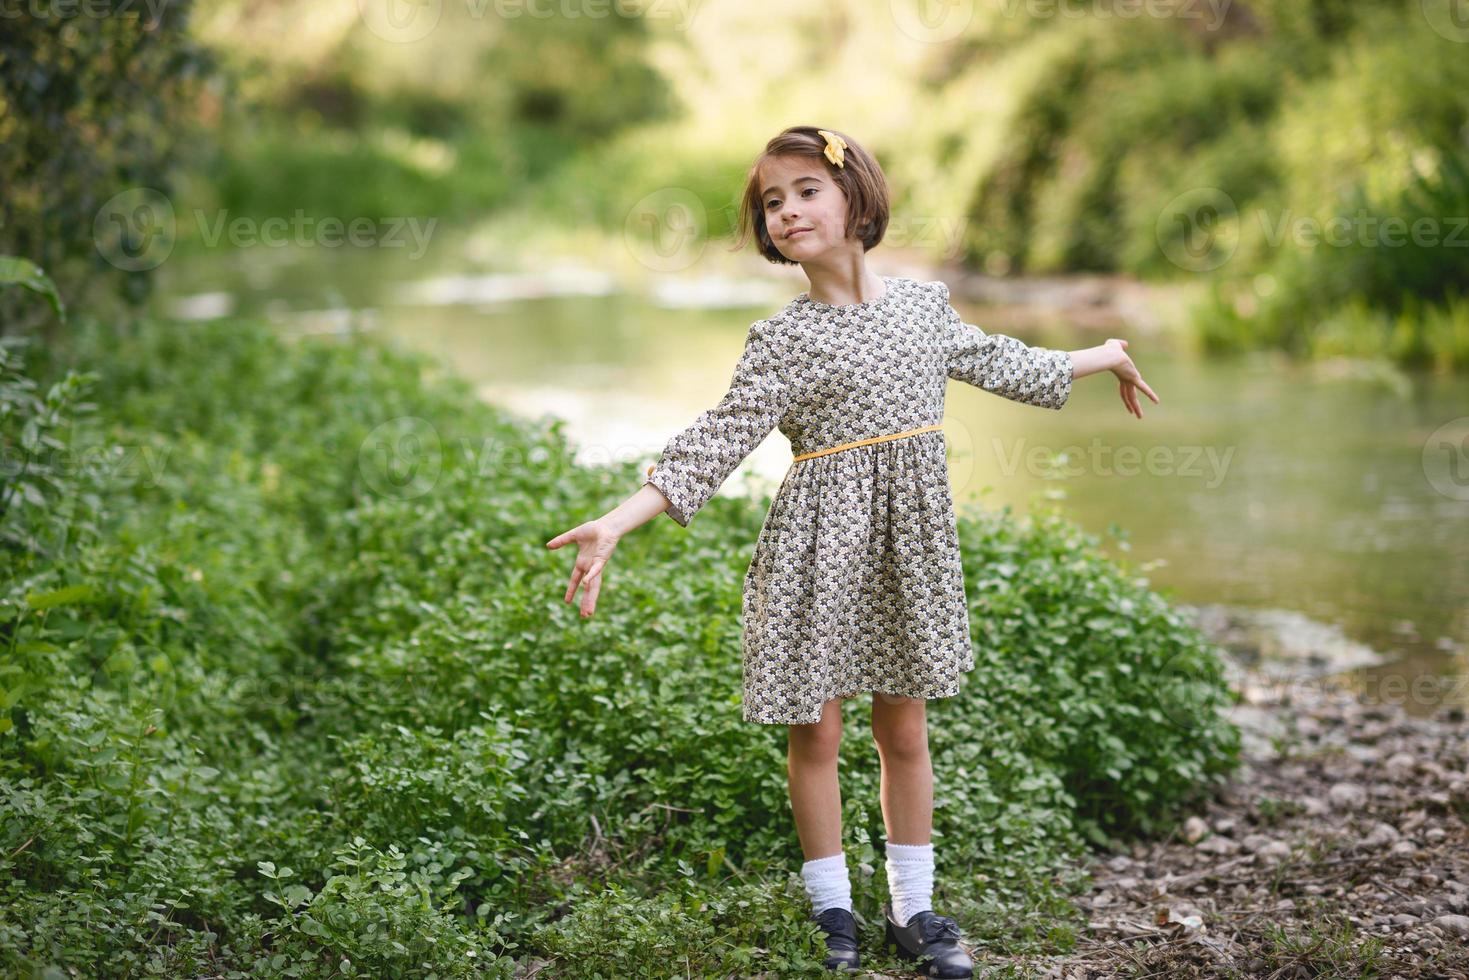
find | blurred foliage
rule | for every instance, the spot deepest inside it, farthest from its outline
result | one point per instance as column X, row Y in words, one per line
column 93, row 102
column 1055, row 137
column 290, row 690
column 1319, row 112
column 343, row 120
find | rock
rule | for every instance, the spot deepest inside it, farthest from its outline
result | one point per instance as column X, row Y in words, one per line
column 1225, row 825
column 1274, row 852
column 1453, row 925
column 1367, row 754
column 1255, row 842
column 1346, row 796
column 1403, row 919
column 1381, row 835
column 1313, row 806
column 1400, row 765
column 1404, row 848
column 1194, row 828
column 1223, row 846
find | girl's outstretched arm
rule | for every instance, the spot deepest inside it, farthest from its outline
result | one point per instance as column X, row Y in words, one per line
column 693, row 464
column 1039, row 376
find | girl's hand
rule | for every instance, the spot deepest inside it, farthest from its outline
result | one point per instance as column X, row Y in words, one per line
column 595, row 542
column 1128, row 378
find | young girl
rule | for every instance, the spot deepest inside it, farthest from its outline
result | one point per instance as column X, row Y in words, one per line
column 855, row 583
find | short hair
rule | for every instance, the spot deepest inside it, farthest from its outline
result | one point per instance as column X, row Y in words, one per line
column 861, row 181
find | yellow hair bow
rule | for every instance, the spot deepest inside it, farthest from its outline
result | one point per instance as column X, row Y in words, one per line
column 835, row 146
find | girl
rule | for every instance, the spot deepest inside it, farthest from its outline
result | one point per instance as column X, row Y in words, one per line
column 855, row 583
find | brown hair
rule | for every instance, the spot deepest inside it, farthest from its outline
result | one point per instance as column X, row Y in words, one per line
column 861, row 181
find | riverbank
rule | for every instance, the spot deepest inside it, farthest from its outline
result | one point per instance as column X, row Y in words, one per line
column 1339, row 848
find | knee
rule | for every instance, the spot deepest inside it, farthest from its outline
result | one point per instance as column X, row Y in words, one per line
column 904, row 740
column 902, row 733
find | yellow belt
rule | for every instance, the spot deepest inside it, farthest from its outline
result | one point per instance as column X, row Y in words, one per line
column 852, row 445
column 864, row 442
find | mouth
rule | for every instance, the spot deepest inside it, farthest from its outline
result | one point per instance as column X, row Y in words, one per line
column 796, row 231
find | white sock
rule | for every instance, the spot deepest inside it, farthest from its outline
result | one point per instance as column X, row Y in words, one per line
column 827, row 883
column 910, row 879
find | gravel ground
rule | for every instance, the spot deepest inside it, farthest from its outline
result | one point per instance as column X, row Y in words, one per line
column 1340, row 849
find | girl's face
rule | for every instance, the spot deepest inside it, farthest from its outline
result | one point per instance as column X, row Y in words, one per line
column 805, row 211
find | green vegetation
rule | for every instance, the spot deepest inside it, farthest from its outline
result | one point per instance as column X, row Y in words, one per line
column 90, row 106
column 289, row 690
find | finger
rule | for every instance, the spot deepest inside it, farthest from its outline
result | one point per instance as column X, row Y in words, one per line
column 576, row 576
column 1122, row 393
column 1144, row 385
column 1132, row 405
column 589, row 596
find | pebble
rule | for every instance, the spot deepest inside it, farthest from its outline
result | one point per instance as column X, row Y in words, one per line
column 1274, row 852
column 1381, row 834
column 1346, row 796
column 1453, row 925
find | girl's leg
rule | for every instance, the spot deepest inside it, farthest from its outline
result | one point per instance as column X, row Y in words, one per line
column 900, row 728
column 816, row 799
column 816, row 802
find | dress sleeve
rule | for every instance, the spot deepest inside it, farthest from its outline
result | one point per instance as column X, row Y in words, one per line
column 1004, row 365
column 695, row 462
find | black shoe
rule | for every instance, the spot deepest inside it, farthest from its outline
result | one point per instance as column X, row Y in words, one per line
column 841, row 938
column 932, row 939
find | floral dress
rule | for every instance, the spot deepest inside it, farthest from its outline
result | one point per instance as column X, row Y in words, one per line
column 855, row 583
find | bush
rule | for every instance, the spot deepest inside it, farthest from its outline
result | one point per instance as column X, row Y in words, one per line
column 276, row 644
